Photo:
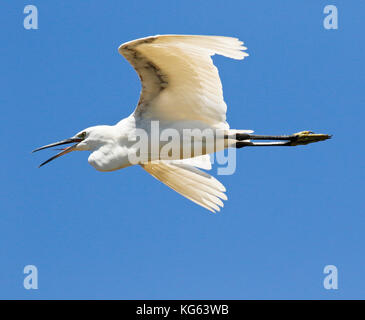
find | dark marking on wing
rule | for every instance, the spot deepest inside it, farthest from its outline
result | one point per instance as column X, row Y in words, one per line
column 152, row 77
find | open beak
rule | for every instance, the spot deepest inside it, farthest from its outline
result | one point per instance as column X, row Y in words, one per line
column 64, row 151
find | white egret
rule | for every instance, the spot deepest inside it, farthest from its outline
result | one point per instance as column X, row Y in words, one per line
column 181, row 89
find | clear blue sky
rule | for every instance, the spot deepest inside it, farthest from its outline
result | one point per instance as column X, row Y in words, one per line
column 291, row 211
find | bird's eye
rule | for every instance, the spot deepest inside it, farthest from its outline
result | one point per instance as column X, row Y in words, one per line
column 82, row 135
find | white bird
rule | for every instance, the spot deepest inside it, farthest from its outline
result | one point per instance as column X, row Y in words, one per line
column 181, row 89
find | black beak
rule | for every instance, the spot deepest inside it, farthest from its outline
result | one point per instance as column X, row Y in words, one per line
column 66, row 150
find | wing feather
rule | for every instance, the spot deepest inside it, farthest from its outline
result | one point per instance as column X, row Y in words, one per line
column 179, row 79
column 190, row 182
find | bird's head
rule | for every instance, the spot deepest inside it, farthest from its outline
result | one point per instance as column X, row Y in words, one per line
column 88, row 139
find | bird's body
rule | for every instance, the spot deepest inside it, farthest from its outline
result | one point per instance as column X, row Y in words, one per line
column 179, row 120
column 114, row 146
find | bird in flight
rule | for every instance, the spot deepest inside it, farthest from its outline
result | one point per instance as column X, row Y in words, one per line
column 181, row 91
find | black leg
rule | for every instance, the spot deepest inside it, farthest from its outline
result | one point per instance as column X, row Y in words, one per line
column 300, row 138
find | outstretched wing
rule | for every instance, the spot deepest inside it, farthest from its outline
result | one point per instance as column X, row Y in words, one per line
column 196, row 185
column 179, row 79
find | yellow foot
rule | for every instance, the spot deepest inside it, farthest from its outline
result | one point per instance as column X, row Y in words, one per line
column 306, row 137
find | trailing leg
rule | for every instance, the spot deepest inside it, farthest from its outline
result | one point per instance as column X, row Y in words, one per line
column 300, row 138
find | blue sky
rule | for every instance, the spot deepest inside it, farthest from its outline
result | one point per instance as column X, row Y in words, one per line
column 124, row 235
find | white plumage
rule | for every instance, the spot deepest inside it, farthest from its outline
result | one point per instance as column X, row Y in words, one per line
column 181, row 83
column 181, row 89
column 182, row 66
column 189, row 181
